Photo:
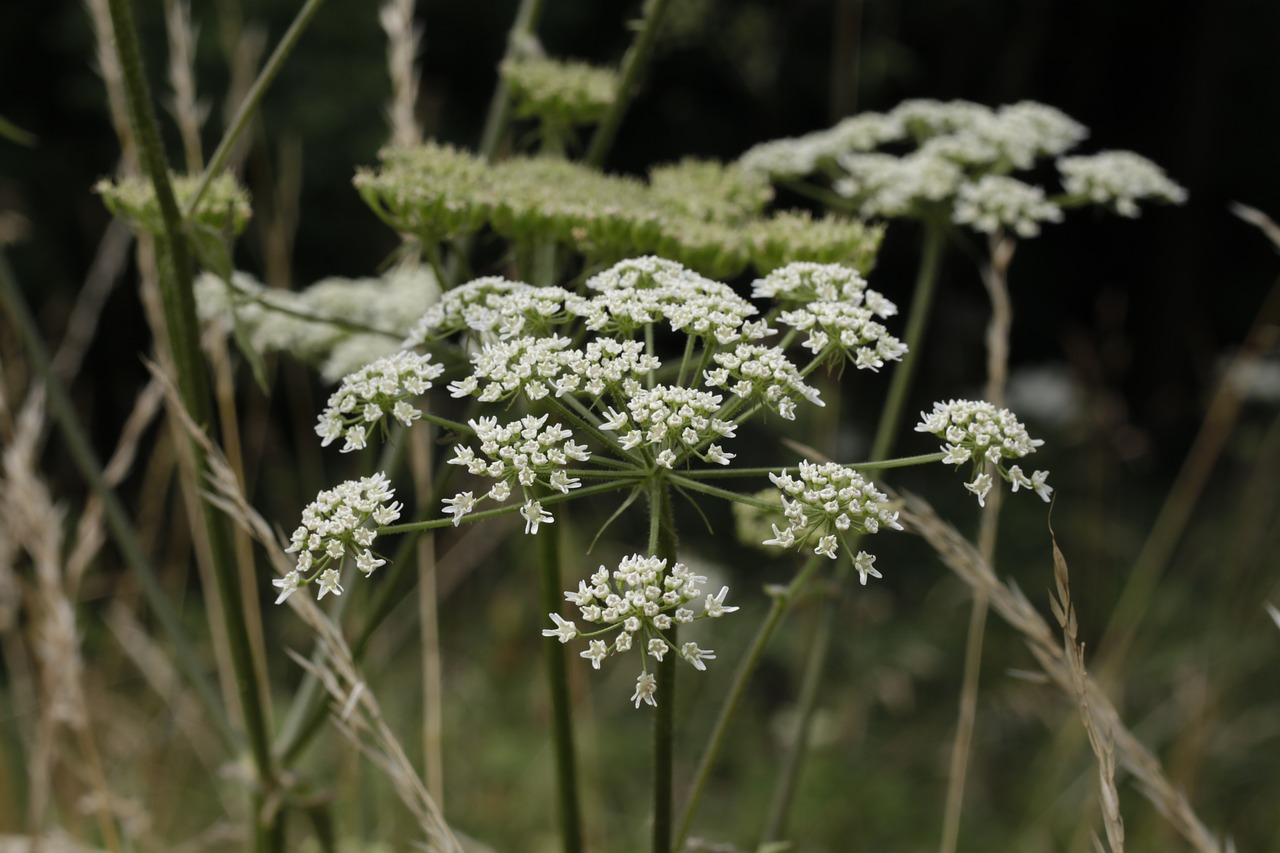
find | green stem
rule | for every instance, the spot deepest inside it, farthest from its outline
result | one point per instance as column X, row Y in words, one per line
column 495, row 125
column 83, row 457
column 886, row 432
column 561, row 706
column 251, row 100
column 178, row 299
column 662, row 543
column 729, row 709
column 629, row 82
column 815, row 670
column 921, row 301
column 882, row 465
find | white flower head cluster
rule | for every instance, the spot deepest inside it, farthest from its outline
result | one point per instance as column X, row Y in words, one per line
column 525, row 365
column 888, row 186
column 763, row 374
column 335, row 524
column 673, row 423
column 639, row 603
column 978, row 432
column 830, row 502
column 802, row 282
column 638, row 292
column 524, row 453
column 843, row 329
column 1119, row 180
column 382, row 387
column 490, row 307
column 998, row 202
column 605, row 364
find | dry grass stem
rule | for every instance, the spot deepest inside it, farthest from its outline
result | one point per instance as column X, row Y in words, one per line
column 187, row 110
column 113, row 78
column 1014, row 608
column 358, row 714
column 404, row 39
column 1100, row 737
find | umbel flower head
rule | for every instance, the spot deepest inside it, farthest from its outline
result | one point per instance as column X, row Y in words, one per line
column 334, row 525
column 830, row 502
column 978, row 432
column 637, row 606
column 383, row 387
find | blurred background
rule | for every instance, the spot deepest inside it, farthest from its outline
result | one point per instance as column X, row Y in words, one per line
column 1120, row 335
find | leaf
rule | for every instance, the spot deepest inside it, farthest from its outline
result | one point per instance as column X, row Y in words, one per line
column 211, row 250
column 13, row 133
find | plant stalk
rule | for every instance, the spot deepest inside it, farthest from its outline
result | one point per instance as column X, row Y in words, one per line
column 629, row 83
column 561, row 704
column 179, row 308
column 662, row 544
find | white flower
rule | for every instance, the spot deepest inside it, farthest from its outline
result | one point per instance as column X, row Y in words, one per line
column 658, row 648
column 1119, row 180
column 534, row 515
column 367, row 562
column 865, row 564
column 696, row 656
column 979, row 432
column 459, row 505
column 288, row 585
column 384, row 386
column 595, row 652
column 827, row 500
column 336, row 523
column 646, row 686
column 564, row 630
column 329, row 583
column 714, row 605
column 998, row 202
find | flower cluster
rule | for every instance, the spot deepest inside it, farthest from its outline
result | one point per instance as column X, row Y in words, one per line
column 527, row 365
column 562, row 93
column 803, row 282
column 673, row 422
column 639, row 603
column 840, row 329
column 382, row 387
column 830, row 502
column 335, row 524
column 998, row 202
column 525, row 453
column 763, row 374
column 1118, row 179
column 957, row 163
column 639, row 292
column 489, row 307
column 978, row 432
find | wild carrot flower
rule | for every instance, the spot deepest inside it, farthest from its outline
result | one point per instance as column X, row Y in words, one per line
column 978, row 432
column 335, row 524
column 385, row 386
column 638, row 604
column 826, row 503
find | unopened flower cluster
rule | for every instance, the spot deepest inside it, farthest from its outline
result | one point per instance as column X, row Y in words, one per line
column 337, row 524
column 637, row 606
column 384, row 387
column 978, row 432
column 827, row 503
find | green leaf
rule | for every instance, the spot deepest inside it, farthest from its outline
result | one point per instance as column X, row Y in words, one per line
column 211, row 250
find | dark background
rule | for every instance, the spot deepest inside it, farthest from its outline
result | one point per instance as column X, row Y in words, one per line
column 1138, row 311
column 1191, row 85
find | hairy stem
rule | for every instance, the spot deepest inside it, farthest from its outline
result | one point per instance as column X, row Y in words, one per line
column 179, row 308
column 561, row 705
column 662, row 543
